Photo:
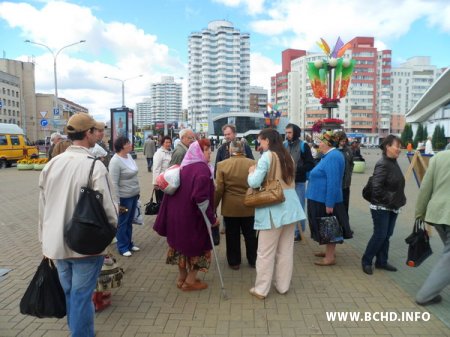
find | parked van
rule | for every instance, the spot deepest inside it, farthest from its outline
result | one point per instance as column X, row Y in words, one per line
column 14, row 145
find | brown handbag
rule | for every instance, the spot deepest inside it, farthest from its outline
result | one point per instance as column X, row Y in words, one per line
column 270, row 193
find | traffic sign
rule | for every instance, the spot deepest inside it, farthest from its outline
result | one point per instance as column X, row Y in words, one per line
column 44, row 122
column 43, row 113
column 56, row 111
column 1, row 104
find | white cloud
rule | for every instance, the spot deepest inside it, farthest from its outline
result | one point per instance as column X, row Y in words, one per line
column 114, row 49
column 304, row 22
column 253, row 6
column 262, row 68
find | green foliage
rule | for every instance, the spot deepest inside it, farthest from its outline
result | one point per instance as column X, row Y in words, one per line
column 407, row 134
column 419, row 135
column 434, row 138
column 425, row 133
column 441, row 142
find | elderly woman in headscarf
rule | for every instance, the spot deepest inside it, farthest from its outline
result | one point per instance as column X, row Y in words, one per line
column 324, row 194
column 181, row 221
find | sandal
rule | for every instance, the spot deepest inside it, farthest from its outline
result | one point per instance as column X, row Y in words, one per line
column 195, row 286
column 323, row 263
column 181, row 282
column 254, row 293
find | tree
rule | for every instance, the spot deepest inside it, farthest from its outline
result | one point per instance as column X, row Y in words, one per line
column 425, row 133
column 434, row 138
column 407, row 134
column 419, row 136
column 441, row 140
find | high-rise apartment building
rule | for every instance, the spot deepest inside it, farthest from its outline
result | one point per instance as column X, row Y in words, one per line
column 144, row 113
column 258, row 99
column 410, row 80
column 279, row 83
column 219, row 71
column 367, row 107
column 166, row 100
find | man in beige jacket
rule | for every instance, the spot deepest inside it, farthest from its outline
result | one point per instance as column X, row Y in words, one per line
column 231, row 186
column 60, row 183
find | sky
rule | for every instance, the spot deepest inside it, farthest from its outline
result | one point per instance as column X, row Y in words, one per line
column 125, row 39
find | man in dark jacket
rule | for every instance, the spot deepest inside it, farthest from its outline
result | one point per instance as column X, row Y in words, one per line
column 229, row 132
column 348, row 171
column 304, row 162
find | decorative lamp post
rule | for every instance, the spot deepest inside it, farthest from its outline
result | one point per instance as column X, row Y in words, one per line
column 123, row 85
column 272, row 116
column 55, row 55
column 330, row 79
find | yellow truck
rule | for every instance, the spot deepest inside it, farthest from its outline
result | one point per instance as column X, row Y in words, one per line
column 14, row 145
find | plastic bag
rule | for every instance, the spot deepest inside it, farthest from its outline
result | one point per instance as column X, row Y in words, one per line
column 44, row 296
column 169, row 181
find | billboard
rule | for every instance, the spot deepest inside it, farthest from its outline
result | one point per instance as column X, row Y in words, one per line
column 121, row 124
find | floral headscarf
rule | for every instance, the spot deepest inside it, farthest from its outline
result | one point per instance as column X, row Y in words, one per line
column 195, row 155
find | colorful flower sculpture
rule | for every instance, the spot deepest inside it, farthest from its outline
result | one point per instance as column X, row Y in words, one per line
column 272, row 115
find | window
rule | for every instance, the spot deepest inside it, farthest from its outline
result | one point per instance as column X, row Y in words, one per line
column 15, row 140
column 2, row 139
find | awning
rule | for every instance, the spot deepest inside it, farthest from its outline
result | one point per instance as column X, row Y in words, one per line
column 356, row 135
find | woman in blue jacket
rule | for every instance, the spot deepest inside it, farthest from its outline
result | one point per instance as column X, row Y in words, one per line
column 324, row 195
column 275, row 223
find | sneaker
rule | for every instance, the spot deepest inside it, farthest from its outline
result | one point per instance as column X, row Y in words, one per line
column 434, row 300
column 127, row 254
column 135, row 248
column 297, row 238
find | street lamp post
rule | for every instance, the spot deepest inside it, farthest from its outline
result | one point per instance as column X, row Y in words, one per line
column 123, row 84
column 55, row 55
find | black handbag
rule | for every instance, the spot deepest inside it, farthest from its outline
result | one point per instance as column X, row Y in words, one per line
column 44, row 296
column 152, row 208
column 330, row 231
column 89, row 232
column 367, row 190
column 419, row 245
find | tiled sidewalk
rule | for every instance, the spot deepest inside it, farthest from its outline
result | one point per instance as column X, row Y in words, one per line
column 149, row 304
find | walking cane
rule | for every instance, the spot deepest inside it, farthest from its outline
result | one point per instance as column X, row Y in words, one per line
column 203, row 207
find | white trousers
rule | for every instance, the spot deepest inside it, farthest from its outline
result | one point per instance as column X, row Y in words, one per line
column 275, row 254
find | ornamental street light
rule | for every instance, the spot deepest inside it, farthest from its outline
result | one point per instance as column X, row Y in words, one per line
column 123, row 84
column 55, row 55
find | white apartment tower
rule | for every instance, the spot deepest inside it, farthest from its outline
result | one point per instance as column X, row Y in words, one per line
column 410, row 80
column 143, row 113
column 219, row 71
column 166, row 100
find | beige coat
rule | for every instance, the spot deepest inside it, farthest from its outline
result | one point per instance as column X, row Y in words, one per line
column 60, row 182
column 231, row 181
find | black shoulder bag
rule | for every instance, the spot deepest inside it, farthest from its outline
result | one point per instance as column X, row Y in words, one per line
column 89, row 232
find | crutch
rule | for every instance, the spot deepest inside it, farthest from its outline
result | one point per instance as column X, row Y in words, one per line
column 203, row 206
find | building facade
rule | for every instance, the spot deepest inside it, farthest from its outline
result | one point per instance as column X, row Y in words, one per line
column 143, row 114
column 279, row 84
column 18, row 77
column 219, row 71
column 410, row 80
column 258, row 99
column 166, row 100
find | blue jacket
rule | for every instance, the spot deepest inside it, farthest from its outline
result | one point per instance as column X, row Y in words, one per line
column 325, row 179
column 285, row 213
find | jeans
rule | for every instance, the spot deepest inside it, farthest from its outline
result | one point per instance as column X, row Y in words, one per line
column 125, row 228
column 78, row 279
column 383, row 228
column 149, row 163
column 300, row 188
column 439, row 277
column 236, row 225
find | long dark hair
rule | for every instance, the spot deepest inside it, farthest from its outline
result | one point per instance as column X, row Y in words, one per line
column 276, row 145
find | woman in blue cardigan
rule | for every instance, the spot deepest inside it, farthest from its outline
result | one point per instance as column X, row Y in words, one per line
column 324, row 194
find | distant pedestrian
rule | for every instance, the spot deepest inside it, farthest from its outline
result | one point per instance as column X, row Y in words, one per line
column 161, row 162
column 275, row 223
column 387, row 197
column 432, row 207
column 429, row 146
column 231, row 187
column 149, row 152
column 55, row 138
column 342, row 140
column 124, row 175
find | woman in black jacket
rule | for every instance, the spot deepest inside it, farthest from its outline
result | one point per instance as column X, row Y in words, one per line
column 387, row 195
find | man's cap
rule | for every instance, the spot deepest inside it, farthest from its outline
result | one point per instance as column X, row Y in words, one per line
column 80, row 122
column 100, row 126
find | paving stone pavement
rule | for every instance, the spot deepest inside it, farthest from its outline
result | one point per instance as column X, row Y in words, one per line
column 149, row 304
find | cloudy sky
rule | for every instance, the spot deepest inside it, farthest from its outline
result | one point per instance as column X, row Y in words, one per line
column 125, row 39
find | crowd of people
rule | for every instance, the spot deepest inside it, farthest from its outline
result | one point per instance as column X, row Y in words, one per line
column 315, row 178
